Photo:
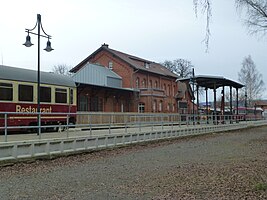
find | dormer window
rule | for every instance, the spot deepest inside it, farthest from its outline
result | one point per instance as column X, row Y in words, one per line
column 147, row 65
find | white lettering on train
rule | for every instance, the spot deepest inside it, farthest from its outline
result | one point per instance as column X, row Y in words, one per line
column 31, row 109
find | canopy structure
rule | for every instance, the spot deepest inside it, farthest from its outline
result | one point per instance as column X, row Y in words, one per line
column 213, row 83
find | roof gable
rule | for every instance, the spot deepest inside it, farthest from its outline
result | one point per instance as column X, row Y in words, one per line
column 133, row 61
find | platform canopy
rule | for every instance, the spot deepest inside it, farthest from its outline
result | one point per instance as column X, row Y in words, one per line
column 212, row 82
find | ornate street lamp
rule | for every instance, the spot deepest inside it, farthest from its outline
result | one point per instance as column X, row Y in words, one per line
column 48, row 49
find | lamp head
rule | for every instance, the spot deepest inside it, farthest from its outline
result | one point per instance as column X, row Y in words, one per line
column 28, row 41
column 48, row 46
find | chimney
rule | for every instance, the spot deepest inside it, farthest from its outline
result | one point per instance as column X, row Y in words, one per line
column 105, row 45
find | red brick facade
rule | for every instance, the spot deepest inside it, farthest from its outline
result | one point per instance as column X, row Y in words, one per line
column 155, row 85
column 101, row 99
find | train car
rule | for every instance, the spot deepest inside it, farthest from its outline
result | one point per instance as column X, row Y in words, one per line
column 248, row 113
column 18, row 94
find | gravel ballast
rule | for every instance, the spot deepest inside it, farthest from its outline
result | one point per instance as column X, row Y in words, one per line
column 230, row 165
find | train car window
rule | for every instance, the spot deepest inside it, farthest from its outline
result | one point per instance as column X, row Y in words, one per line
column 25, row 93
column 61, row 95
column 6, row 92
column 45, row 95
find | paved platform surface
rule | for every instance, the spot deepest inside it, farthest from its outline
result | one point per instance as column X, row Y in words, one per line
column 219, row 166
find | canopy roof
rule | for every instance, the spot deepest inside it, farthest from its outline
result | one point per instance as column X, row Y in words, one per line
column 212, row 82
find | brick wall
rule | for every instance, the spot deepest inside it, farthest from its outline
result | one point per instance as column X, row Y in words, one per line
column 119, row 67
column 156, row 92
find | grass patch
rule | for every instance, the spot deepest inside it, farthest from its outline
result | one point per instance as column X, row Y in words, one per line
column 261, row 187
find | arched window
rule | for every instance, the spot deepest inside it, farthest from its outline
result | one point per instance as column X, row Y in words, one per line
column 156, row 84
column 150, row 83
column 137, row 82
column 168, row 107
column 160, row 106
column 144, row 83
column 155, row 106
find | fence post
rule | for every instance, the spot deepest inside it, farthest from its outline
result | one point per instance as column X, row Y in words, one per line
column 68, row 125
column 109, row 128
column 172, row 121
column 5, row 127
column 139, row 123
column 161, row 122
column 90, row 123
column 125, row 122
column 39, row 125
column 152, row 121
column 180, row 120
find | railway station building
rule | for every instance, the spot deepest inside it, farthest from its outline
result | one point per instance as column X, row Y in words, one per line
column 112, row 81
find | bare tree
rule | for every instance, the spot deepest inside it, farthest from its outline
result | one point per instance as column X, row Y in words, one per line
column 255, row 10
column 205, row 6
column 227, row 96
column 252, row 79
column 61, row 69
column 181, row 67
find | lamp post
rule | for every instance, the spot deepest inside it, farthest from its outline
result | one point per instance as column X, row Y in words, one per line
column 192, row 81
column 48, row 49
column 246, row 103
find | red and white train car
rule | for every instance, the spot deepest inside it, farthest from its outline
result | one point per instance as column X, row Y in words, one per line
column 248, row 113
column 18, row 94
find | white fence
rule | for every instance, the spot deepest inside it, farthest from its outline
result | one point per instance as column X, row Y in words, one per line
column 47, row 148
column 11, row 122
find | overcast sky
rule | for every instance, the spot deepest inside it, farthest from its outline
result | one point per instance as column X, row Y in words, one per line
column 156, row 30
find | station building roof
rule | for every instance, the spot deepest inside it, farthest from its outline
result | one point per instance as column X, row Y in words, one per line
column 134, row 61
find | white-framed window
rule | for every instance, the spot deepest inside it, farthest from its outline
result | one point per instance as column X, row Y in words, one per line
column 154, row 105
column 137, row 82
column 144, row 83
column 156, row 84
column 122, row 107
column 160, row 106
column 141, row 107
column 110, row 65
column 168, row 107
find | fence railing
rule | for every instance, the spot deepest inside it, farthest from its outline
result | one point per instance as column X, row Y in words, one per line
column 92, row 123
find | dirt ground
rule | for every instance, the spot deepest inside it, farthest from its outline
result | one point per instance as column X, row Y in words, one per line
column 230, row 165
